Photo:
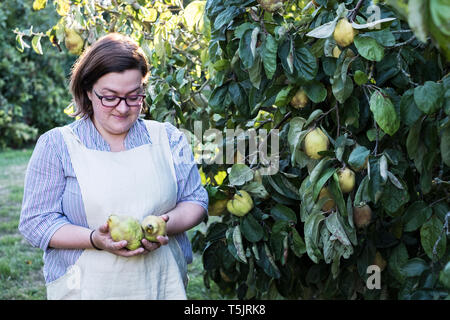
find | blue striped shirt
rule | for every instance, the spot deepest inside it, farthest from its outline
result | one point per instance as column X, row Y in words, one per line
column 52, row 195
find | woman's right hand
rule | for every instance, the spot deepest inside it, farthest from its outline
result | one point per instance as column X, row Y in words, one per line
column 102, row 240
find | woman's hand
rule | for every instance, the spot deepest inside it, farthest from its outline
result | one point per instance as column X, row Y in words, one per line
column 162, row 240
column 102, row 240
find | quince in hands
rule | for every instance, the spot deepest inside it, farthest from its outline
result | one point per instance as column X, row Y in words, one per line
column 153, row 227
column 125, row 228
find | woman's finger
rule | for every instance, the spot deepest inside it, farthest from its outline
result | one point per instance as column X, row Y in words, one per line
column 104, row 228
column 130, row 253
column 150, row 246
column 117, row 245
column 163, row 240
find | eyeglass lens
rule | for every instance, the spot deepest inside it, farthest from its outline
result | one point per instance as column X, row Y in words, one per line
column 113, row 101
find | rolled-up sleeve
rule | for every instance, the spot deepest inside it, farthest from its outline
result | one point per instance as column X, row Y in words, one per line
column 41, row 213
column 189, row 183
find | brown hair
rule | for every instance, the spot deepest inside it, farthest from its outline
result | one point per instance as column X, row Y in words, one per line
column 111, row 53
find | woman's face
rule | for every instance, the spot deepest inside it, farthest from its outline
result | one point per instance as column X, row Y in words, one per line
column 116, row 120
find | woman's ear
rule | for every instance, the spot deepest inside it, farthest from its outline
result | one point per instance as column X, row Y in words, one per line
column 89, row 95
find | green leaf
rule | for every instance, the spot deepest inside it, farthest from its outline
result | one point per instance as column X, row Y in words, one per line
column 305, row 63
column 446, row 84
column 327, row 244
column 322, row 180
column 283, row 213
column 416, row 215
column 317, row 170
column 445, row 145
column 429, row 97
column 341, row 83
column 430, row 233
column 255, row 72
column 444, row 276
column 297, row 244
column 397, row 259
column 220, row 65
column 316, row 91
column 216, row 231
column 337, row 195
column 20, row 43
column 360, row 77
column 336, row 229
column 242, row 28
column 239, row 98
column 245, row 49
column 226, row 16
column 351, row 112
column 240, row 174
column 251, row 229
column 256, row 189
column 282, row 97
column 269, row 49
column 358, row 157
column 394, row 198
column 217, row 98
column 408, row 108
column 413, row 139
column 369, row 48
column 276, row 243
column 377, row 24
column 283, row 186
column 361, row 193
column 211, row 255
column 237, row 242
column 415, row 267
column 312, row 235
column 286, row 54
column 313, row 116
column 36, row 44
column 384, row 37
column 384, row 113
column 296, row 134
column 267, row 263
column 324, row 31
column 375, row 184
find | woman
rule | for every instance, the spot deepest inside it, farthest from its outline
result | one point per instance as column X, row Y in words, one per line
column 111, row 162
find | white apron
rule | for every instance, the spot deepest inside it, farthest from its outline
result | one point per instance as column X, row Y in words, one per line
column 136, row 182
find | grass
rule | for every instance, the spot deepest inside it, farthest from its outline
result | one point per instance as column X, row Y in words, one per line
column 21, row 274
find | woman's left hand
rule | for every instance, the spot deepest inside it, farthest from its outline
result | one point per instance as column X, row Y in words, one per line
column 162, row 240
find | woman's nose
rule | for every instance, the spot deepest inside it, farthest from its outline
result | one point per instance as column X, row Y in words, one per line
column 122, row 107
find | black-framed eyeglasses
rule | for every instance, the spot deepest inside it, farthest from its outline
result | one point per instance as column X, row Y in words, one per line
column 134, row 100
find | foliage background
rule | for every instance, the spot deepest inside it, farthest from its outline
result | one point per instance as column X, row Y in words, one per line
column 32, row 87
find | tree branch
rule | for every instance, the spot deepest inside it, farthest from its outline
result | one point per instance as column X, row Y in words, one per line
column 354, row 12
column 403, row 43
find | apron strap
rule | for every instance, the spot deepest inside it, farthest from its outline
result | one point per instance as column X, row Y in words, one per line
column 154, row 130
column 72, row 141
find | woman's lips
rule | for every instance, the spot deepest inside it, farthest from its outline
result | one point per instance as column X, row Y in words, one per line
column 119, row 117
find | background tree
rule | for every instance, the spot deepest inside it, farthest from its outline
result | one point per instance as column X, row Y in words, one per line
column 31, row 90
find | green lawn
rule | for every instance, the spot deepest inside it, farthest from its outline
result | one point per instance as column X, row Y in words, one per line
column 21, row 275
